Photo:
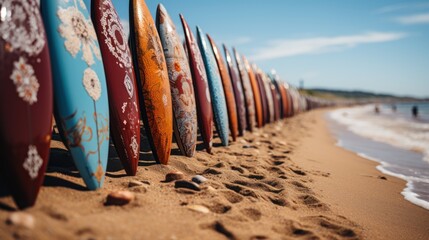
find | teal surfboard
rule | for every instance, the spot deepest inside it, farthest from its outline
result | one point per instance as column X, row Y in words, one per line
column 216, row 88
column 80, row 92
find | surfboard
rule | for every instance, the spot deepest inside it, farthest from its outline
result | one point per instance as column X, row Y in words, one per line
column 227, row 87
column 80, row 91
column 248, row 92
column 276, row 100
column 152, row 79
column 201, row 87
column 216, row 89
column 182, row 91
column 25, row 100
column 238, row 92
column 255, row 89
column 121, row 84
column 264, row 100
column 269, row 95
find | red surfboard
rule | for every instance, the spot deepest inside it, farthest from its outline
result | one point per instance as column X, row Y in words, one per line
column 263, row 97
column 121, row 83
column 25, row 100
column 202, row 94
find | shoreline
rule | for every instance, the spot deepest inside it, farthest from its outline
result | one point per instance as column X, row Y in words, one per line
column 375, row 203
column 288, row 180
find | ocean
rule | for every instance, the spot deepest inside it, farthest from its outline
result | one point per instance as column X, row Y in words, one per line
column 392, row 137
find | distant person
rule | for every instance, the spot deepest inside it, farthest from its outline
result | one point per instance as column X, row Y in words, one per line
column 376, row 109
column 393, row 108
column 415, row 111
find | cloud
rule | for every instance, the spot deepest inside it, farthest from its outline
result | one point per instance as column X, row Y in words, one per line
column 294, row 47
column 401, row 7
column 414, row 19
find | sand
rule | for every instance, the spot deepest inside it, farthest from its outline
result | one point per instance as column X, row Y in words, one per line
column 285, row 181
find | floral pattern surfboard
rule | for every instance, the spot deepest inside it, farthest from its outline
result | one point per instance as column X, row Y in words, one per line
column 255, row 90
column 238, row 92
column 152, row 78
column 216, row 89
column 227, row 87
column 182, row 91
column 121, row 83
column 201, row 88
column 25, row 99
column 248, row 92
column 82, row 109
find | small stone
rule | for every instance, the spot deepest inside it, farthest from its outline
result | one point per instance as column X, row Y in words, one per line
column 382, row 177
column 134, row 183
column 21, row 219
column 282, row 143
column 187, row 185
column 119, row 198
column 199, row 179
column 199, row 208
column 173, row 176
column 242, row 141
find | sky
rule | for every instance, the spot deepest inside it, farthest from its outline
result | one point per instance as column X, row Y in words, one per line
column 379, row 46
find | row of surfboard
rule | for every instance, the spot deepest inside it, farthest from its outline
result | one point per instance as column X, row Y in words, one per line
column 55, row 59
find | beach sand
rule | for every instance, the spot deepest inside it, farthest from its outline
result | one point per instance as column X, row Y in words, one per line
column 288, row 180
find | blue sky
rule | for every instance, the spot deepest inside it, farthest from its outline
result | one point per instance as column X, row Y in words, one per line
column 380, row 46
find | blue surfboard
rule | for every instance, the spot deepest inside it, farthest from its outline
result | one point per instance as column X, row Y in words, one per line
column 80, row 92
column 216, row 88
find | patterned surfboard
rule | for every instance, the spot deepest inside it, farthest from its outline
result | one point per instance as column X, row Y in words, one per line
column 248, row 93
column 255, row 90
column 182, row 91
column 216, row 89
column 80, row 90
column 121, row 83
column 238, row 92
column 25, row 99
column 152, row 78
column 227, row 87
column 201, row 88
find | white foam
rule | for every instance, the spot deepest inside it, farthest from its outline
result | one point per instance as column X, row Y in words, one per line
column 396, row 131
column 408, row 193
column 414, row 197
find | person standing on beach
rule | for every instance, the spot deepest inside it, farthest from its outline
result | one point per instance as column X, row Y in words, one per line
column 415, row 111
column 376, row 109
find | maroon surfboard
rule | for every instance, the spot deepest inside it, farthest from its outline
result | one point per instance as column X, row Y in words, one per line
column 263, row 97
column 25, row 100
column 202, row 94
column 121, row 83
column 238, row 92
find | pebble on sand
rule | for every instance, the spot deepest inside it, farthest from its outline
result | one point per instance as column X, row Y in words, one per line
column 199, row 208
column 186, row 184
column 134, row 183
column 173, row 176
column 119, row 198
column 21, row 219
column 199, row 179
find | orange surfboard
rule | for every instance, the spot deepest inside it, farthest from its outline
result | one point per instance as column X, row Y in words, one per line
column 256, row 95
column 152, row 75
column 227, row 88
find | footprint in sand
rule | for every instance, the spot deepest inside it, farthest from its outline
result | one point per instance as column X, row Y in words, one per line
column 252, row 213
column 232, row 197
column 259, row 186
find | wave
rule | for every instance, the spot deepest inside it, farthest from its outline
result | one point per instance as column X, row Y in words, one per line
column 394, row 130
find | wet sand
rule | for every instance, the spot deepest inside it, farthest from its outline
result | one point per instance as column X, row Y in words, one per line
column 287, row 180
